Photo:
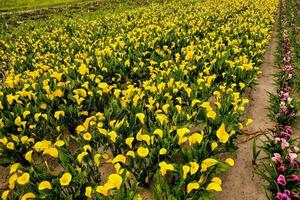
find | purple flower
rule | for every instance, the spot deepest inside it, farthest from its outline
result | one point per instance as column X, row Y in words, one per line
column 281, row 180
column 282, row 196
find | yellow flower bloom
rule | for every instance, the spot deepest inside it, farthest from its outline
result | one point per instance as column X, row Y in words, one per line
column 162, row 151
column 14, row 167
column 229, row 161
column 52, row 151
column 115, row 180
column 211, row 114
column 178, row 107
column 58, row 93
column 158, row 132
column 222, row 135
column 58, row 114
column 28, row 195
column 59, row 143
column 12, row 181
column 24, row 139
column 113, row 135
column 28, row 156
column 214, row 145
column 162, row 118
column 165, row 108
column 195, row 101
column 23, row 179
column 10, row 146
column 4, row 140
column 209, row 162
column 249, row 122
column 5, row 194
column 131, row 154
column 192, row 186
column 97, row 159
column 80, row 129
column 129, row 141
column 164, row 167
column 119, row 158
column 195, row 138
column 214, row 186
column 81, row 156
column 194, row 167
column 87, row 136
column 185, row 169
column 18, row 121
column 216, row 180
column 182, row 131
column 65, row 179
column 141, row 117
column 206, row 105
column 83, row 69
column 102, row 190
column 181, row 134
column 146, row 138
column 37, row 116
column 88, row 192
column 143, row 152
column 87, row 148
column 45, row 185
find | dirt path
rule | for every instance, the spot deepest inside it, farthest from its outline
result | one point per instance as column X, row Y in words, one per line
column 241, row 182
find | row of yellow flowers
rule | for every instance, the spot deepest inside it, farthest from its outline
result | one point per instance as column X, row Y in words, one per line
column 153, row 97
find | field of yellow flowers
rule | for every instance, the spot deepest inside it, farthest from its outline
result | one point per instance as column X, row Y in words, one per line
column 152, row 97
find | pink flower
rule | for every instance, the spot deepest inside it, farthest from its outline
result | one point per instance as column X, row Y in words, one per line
column 289, row 130
column 281, row 168
column 281, row 180
column 294, row 177
column 282, row 196
column 291, row 157
column 294, row 195
column 276, row 158
column 284, row 143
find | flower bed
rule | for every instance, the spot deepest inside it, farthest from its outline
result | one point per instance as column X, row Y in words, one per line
column 151, row 97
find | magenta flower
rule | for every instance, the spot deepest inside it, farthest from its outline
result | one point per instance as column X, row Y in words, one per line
column 281, row 180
